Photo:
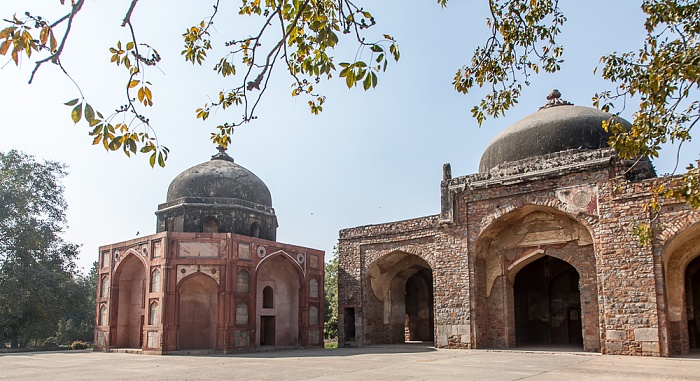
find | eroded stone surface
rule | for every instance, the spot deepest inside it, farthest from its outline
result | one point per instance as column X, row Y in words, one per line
column 576, row 206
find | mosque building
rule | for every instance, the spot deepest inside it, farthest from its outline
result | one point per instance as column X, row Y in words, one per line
column 537, row 249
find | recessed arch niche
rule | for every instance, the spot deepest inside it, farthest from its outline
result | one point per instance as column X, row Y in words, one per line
column 523, row 247
column 402, row 287
column 681, row 257
column 198, row 310
column 278, row 284
column 128, row 302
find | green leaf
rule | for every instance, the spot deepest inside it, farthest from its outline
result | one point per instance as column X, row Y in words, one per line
column 367, row 83
column 72, row 103
column 77, row 113
column 89, row 113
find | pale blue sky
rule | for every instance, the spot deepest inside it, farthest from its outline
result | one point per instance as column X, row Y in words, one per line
column 370, row 157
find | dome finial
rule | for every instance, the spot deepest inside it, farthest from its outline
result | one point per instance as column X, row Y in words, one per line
column 222, row 155
column 554, row 99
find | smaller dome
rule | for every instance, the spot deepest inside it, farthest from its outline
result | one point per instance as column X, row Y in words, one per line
column 220, row 177
column 557, row 126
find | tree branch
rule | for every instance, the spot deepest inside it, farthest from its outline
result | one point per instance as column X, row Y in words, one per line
column 55, row 57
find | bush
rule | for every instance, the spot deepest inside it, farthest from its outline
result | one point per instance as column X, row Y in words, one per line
column 78, row 345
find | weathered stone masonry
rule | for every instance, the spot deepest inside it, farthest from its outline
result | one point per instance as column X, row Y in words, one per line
column 536, row 250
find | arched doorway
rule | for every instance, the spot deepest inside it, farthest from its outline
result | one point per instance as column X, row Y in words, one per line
column 277, row 295
column 403, row 308
column 128, row 296
column 197, row 312
column 692, row 303
column 681, row 257
column 554, row 300
column 547, row 304
column 419, row 306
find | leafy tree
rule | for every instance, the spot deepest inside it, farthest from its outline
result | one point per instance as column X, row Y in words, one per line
column 330, row 298
column 661, row 76
column 297, row 34
column 37, row 270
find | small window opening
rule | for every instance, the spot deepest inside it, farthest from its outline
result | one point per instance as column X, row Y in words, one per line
column 211, row 225
column 255, row 230
column 268, row 298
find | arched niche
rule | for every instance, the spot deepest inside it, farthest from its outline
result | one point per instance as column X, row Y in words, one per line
column 197, row 312
column 402, row 286
column 255, row 230
column 102, row 317
column 210, row 225
column 155, row 280
column 279, row 324
column 511, row 244
column 128, row 302
column 313, row 288
column 153, row 314
column 547, row 305
column 680, row 256
column 242, row 281
column 104, row 286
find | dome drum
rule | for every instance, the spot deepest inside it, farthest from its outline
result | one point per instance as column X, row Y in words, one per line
column 217, row 219
column 218, row 196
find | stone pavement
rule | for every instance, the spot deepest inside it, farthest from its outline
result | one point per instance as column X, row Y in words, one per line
column 373, row 363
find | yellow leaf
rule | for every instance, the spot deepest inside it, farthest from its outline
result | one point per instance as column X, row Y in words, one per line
column 4, row 47
column 133, row 83
column 44, row 35
column 5, row 33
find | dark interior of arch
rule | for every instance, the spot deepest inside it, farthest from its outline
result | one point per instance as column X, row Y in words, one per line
column 419, row 306
column 548, row 304
column 692, row 302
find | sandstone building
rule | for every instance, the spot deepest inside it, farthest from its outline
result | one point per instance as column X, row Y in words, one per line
column 212, row 278
column 537, row 249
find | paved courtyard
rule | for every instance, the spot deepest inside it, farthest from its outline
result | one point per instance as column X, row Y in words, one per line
column 387, row 363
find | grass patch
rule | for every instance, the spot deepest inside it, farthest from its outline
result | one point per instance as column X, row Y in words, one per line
column 331, row 344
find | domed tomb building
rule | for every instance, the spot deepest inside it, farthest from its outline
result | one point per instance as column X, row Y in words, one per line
column 536, row 250
column 213, row 278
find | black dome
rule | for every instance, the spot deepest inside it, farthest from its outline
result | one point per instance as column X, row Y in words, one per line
column 220, row 178
column 556, row 127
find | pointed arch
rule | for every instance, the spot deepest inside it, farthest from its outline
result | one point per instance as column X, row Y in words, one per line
column 680, row 256
column 402, row 286
column 102, row 317
column 128, row 301
column 104, row 286
column 155, row 281
column 153, row 314
column 511, row 239
column 297, row 265
column 197, row 312
column 280, row 275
